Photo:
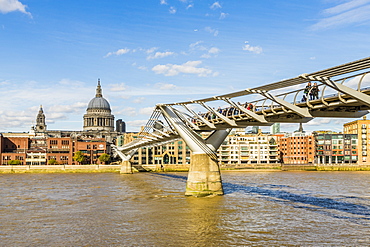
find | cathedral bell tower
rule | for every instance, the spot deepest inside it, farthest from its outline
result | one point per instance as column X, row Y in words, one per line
column 40, row 121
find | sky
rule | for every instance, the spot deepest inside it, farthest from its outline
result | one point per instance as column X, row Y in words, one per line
column 163, row 51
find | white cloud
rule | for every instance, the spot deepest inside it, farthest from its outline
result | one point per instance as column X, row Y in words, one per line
column 151, row 50
column 4, row 82
column 118, row 52
column 143, row 68
column 216, row 5
column 76, row 107
column 159, row 89
column 127, row 111
column 146, row 111
column 118, row 87
column 139, row 100
column 163, row 2
column 68, row 82
column 160, row 55
column 197, row 45
column 254, row 49
column 319, row 121
column 189, row 67
column 12, row 119
column 135, row 124
column 172, row 10
column 212, row 52
column 346, row 6
column 223, row 16
column 190, row 6
column 211, row 30
column 7, row 6
column 352, row 12
column 165, row 86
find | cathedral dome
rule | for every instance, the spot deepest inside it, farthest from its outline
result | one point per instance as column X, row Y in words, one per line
column 98, row 103
column 98, row 115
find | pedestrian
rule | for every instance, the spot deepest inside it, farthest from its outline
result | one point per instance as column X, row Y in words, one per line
column 304, row 98
column 307, row 89
column 315, row 91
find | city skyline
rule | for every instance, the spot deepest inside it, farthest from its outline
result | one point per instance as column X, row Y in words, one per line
column 164, row 51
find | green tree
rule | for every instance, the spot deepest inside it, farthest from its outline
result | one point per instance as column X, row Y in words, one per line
column 79, row 157
column 14, row 162
column 52, row 162
column 104, row 158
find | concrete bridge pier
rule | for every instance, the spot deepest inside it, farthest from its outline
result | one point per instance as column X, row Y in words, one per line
column 126, row 167
column 204, row 177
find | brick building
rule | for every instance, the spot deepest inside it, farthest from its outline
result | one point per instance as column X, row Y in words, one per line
column 297, row 149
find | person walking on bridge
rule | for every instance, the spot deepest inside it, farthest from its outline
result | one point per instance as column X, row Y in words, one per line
column 315, row 91
column 307, row 90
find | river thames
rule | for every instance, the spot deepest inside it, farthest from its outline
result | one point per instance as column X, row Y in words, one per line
column 150, row 209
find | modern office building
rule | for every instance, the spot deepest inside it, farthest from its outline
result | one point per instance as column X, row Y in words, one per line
column 336, row 148
column 174, row 154
column 120, row 126
column 245, row 149
column 361, row 128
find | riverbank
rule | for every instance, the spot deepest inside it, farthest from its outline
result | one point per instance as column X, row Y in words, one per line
column 152, row 168
column 60, row 169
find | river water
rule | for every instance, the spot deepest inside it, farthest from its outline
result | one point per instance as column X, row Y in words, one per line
column 150, row 209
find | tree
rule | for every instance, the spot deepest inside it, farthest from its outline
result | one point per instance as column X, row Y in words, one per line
column 52, row 162
column 104, row 158
column 14, row 162
column 79, row 157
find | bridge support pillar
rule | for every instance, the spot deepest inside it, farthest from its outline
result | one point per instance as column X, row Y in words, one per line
column 204, row 177
column 126, row 167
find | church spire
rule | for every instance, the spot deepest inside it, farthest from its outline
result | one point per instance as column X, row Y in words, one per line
column 40, row 120
column 98, row 90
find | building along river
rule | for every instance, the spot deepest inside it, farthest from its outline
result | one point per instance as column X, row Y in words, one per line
column 150, row 209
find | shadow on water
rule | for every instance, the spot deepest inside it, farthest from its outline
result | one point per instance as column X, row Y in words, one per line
column 166, row 175
column 272, row 192
column 305, row 201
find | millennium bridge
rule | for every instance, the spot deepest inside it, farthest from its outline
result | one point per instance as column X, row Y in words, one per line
column 341, row 94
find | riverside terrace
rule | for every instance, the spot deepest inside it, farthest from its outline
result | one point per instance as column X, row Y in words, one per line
column 343, row 92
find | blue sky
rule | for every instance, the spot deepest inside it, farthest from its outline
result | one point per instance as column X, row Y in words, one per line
column 161, row 51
